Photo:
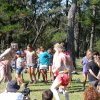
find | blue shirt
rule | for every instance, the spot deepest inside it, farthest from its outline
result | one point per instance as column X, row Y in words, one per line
column 44, row 58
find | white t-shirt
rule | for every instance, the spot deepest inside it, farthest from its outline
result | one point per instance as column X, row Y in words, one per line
column 30, row 59
column 11, row 96
column 19, row 62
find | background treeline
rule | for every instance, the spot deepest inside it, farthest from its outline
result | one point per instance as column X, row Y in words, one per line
column 45, row 22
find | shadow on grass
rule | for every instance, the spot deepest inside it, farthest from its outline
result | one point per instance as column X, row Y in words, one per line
column 39, row 83
column 42, row 84
column 36, row 90
column 79, row 68
column 76, row 88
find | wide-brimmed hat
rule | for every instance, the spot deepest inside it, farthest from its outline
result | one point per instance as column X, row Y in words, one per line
column 12, row 86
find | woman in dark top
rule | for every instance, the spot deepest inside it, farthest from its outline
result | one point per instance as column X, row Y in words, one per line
column 93, row 69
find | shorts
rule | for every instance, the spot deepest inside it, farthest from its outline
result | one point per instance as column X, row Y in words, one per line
column 19, row 70
column 63, row 79
column 31, row 65
column 43, row 67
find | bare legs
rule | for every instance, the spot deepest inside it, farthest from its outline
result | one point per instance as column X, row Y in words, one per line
column 56, row 84
column 85, row 79
column 5, row 73
column 44, row 74
column 32, row 75
column 19, row 79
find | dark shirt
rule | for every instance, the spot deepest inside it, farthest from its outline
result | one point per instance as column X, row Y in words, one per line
column 95, row 69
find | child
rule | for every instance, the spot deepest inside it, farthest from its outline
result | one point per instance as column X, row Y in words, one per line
column 31, row 62
column 47, row 95
column 84, row 62
column 19, row 67
column 59, row 69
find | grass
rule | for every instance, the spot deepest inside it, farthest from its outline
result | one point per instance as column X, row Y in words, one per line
column 75, row 91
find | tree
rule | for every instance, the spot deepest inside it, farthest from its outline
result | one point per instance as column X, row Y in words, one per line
column 70, row 39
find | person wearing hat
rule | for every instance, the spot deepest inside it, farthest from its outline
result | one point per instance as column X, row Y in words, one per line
column 5, row 61
column 60, row 71
column 11, row 92
column 20, row 64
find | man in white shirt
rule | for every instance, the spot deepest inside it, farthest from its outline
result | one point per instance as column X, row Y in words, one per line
column 11, row 92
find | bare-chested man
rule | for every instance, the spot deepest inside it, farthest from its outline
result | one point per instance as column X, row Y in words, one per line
column 5, row 61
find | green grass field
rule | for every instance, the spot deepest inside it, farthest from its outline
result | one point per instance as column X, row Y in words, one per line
column 75, row 91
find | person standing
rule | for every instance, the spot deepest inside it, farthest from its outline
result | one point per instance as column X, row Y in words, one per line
column 84, row 62
column 50, row 62
column 5, row 61
column 93, row 69
column 44, row 63
column 30, row 62
column 20, row 64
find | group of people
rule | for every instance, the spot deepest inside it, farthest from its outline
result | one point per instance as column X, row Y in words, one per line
column 91, row 67
column 39, row 62
column 59, row 65
column 91, row 70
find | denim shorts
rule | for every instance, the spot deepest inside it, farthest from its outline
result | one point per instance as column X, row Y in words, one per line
column 19, row 70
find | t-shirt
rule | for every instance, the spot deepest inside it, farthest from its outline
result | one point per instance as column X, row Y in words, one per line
column 11, row 96
column 19, row 62
column 58, row 59
column 30, row 57
column 44, row 58
column 84, row 63
column 94, row 67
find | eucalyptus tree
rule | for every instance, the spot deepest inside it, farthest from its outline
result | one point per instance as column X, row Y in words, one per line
column 47, row 19
column 70, row 38
column 27, row 21
column 90, row 24
column 12, row 12
column 87, row 25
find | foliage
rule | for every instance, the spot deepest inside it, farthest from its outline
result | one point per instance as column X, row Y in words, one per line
column 97, row 45
column 44, row 22
column 58, row 37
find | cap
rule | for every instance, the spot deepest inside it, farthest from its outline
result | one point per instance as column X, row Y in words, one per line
column 19, row 52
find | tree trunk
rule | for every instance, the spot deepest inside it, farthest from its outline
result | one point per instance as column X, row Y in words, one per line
column 93, row 28
column 77, row 33
column 70, row 37
column 66, row 7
